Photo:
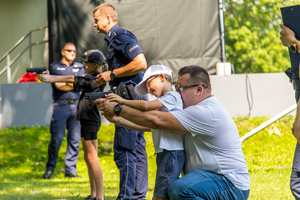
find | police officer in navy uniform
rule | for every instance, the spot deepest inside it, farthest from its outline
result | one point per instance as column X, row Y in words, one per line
column 126, row 62
column 65, row 102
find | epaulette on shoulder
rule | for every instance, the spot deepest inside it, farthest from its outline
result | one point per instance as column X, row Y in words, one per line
column 120, row 31
column 55, row 62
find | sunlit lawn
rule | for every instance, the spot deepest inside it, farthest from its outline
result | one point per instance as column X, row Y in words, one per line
column 23, row 154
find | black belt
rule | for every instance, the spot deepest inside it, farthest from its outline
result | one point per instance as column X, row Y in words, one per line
column 296, row 84
column 65, row 101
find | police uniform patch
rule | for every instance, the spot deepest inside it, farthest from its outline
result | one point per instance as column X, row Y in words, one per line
column 61, row 68
column 133, row 48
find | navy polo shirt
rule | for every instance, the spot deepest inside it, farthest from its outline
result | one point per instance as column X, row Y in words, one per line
column 59, row 68
column 122, row 47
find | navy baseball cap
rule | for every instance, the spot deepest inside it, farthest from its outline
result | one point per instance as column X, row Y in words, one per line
column 93, row 55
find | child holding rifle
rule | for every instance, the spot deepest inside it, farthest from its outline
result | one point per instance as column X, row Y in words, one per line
column 88, row 114
column 170, row 157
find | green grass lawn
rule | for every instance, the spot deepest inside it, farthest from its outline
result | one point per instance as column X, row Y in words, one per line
column 23, row 155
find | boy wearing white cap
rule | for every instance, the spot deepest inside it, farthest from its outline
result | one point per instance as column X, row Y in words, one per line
column 168, row 146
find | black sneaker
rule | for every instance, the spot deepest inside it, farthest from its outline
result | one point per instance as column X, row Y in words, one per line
column 72, row 175
column 89, row 198
column 47, row 174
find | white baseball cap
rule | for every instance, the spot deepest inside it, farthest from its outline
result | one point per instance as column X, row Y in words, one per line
column 140, row 88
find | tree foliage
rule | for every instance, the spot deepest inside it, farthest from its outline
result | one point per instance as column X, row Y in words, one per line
column 252, row 35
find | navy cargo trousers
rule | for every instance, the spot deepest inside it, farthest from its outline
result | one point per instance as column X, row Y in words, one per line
column 62, row 119
column 131, row 159
column 295, row 176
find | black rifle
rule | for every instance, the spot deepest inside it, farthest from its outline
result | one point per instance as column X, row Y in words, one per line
column 96, row 95
column 38, row 70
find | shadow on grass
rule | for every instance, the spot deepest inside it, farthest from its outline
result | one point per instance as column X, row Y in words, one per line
column 55, row 188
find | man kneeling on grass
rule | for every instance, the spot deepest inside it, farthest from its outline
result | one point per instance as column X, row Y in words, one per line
column 215, row 166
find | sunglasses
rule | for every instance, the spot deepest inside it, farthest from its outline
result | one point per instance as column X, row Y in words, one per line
column 180, row 88
column 70, row 50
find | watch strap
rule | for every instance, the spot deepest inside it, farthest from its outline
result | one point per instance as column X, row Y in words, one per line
column 112, row 75
column 294, row 47
column 118, row 109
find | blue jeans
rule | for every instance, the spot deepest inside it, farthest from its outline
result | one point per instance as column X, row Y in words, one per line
column 169, row 166
column 201, row 184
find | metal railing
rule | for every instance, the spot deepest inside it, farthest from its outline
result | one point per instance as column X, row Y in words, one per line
column 269, row 122
column 10, row 61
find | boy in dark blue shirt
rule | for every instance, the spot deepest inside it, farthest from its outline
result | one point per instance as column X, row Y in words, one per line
column 88, row 115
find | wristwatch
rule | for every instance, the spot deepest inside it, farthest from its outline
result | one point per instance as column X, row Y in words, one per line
column 112, row 75
column 118, row 109
column 294, row 47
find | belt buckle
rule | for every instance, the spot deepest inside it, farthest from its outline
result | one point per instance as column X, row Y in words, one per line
column 69, row 102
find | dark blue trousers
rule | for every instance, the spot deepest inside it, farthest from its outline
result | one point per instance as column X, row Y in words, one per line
column 63, row 118
column 295, row 175
column 131, row 159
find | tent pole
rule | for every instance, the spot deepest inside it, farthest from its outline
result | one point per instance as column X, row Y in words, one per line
column 222, row 31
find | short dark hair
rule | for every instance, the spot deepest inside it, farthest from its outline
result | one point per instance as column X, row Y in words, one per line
column 198, row 75
column 107, row 9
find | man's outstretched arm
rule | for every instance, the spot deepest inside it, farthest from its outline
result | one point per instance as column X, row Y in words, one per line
column 60, row 82
column 152, row 119
column 126, row 124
